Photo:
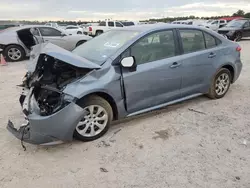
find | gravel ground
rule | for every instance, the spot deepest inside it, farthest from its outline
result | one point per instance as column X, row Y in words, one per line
column 172, row 147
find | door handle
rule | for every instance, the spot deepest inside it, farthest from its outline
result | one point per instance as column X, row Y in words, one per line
column 175, row 64
column 212, row 55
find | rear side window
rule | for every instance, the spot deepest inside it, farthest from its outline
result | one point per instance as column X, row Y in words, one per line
column 102, row 24
column 47, row 31
column 192, row 40
column 111, row 24
column 210, row 40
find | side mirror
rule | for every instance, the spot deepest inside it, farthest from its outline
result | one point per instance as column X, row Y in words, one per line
column 128, row 62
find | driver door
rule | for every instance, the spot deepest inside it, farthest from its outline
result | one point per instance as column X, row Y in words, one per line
column 157, row 78
column 54, row 36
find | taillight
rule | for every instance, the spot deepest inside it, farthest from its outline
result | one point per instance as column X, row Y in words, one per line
column 238, row 49
column 90, row 28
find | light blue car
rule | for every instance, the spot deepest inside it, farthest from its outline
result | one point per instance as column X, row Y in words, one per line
column 122, row 73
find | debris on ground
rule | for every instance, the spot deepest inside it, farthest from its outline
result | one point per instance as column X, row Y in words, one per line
column 103, row 170
column 103, row 144
column 237, row 178
column 199, row 112
column 164, row 134
column 115, row 132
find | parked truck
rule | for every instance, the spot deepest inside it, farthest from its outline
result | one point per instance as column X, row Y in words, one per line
column 102, row 27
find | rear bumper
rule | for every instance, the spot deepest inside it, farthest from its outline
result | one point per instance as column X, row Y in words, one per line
column 45, row 130
column 238, row 70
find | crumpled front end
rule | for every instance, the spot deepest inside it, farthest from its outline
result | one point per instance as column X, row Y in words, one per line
column 51, row 114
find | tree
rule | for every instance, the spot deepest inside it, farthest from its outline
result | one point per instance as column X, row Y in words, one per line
column 247, row 15
column 239, row 13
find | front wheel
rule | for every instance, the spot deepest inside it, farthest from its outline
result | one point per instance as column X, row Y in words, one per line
column 238, row 36
column 96, row 121
column 220, row 84
column 79, row 33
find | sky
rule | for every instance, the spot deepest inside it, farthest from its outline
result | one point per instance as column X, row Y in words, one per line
column 116, row 9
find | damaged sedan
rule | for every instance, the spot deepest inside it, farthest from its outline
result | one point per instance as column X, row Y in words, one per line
column 121, row 73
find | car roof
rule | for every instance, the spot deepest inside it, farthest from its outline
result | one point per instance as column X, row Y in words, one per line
column 26, row 27
column 160, row 26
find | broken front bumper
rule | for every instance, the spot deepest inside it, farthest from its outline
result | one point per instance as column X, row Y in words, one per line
column 45, row 130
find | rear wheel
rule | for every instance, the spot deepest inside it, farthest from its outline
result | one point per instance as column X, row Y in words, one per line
column 14, row 53
column 99, row 33
column 220, row 84
column 96, row 122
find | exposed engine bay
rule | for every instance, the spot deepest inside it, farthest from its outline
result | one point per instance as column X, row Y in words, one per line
column 49, row 79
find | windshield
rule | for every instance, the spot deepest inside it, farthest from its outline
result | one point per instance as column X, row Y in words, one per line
column 100, row 48
column 236, row 23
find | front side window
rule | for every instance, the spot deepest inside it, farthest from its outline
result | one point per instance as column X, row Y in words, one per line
column 154, row 47
column 210, row 40
column 50, row 32
column 246, row 25
column 111, row 24
column 192, row 40
column 215, row 22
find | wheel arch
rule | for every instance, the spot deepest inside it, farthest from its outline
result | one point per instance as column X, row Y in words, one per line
column 105, row 96
column 231, row 69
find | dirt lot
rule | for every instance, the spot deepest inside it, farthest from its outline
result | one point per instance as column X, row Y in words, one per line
column 173, row 147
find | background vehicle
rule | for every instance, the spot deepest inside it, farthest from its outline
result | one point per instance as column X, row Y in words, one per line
column 180, row 22
column 236, row 29
column 73, row 30
column 170, row 63
column 128, row 23
column 16, row 42
column 215, row 25
column 52, row 24
column 103, row 27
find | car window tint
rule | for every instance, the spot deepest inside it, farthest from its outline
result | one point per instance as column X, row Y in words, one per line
column 210, row 40
column 111, row 24
column 154, row 47
column 102, row 24
column 118, row 24
column 72, row 28
column 222, row 21
column 46, row 31
column 192, row 40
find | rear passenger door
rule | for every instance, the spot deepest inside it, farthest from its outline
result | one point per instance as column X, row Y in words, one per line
column 198, row 55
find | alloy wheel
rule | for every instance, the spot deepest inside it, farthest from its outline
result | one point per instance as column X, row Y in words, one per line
column 14, row 54
column 222, row 84
column 94, row 121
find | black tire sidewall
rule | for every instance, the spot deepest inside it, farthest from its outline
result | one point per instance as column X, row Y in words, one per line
column 80, row 43
column 5, row 53
column 95, row 100
column 221, row 71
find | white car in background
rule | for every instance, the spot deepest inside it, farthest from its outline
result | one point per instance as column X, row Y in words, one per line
column 215, row 25
column 73, row 30
column 103, row 27
column 17, row 42
column 51, row 24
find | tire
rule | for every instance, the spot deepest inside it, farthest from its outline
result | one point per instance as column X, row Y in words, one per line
column 238, row 36
column 14, row 53
column 98, row 33
column 214, row 88
column 79, row 33
column 107, row 113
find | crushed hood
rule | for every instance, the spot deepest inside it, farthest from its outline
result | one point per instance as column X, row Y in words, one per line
column 63, row 55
